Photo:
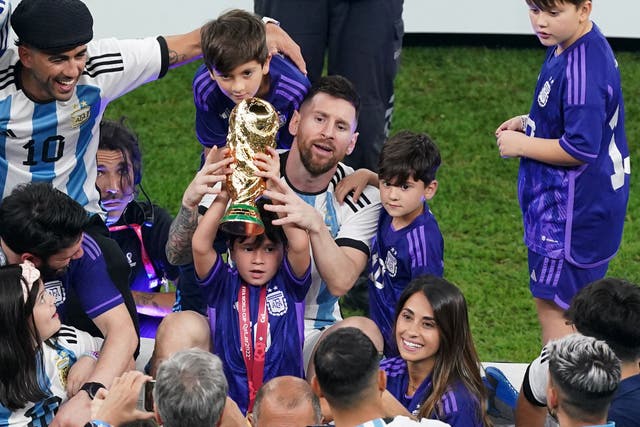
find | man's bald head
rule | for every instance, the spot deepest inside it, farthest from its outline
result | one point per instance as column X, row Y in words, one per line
column 286, row 402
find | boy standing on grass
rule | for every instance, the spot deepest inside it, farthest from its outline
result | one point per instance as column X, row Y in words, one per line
column 238, row 65
column 573, row 183
column 408, row 242
column 260, row 300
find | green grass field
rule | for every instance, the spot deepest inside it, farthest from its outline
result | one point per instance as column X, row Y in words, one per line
column 458, row 95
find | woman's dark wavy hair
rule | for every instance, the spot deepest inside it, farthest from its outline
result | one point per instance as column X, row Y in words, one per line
column 20, row 344
column 456, row 359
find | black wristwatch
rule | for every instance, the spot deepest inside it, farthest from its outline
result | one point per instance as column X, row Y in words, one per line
column 92, row 388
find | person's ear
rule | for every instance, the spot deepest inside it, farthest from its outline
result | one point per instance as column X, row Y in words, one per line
column 382, row 380
column 265, row 66
column 352, row 143
column 156, row 415
column 35, row 260
column 294, row 123
column 315, row 386
column 26, row 56
column 430, row 190
column 585, row 11
column 211, row 73
column 552, row 395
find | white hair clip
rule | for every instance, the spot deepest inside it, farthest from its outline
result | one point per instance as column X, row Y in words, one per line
column 31, row 275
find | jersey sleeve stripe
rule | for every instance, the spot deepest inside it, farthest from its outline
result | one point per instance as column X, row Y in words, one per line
column 577, row 76
column 104, row 304
column 90, row 246
column 352, row 243
column 164, row 54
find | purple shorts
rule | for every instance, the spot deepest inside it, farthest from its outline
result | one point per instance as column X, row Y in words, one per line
column 557, row 280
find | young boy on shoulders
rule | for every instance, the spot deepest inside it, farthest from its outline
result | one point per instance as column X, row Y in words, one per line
column 256, row 306
column 238, row 65
column 573, row 183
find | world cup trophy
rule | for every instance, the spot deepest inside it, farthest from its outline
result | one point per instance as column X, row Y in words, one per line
column 253, row 125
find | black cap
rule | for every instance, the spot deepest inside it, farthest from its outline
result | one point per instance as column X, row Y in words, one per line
column 52, row 25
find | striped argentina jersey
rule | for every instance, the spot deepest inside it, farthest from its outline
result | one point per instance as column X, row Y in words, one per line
column 351, row 224
column 287, row 88
column 57, row 141
column 398, row 256
column 65, row 347
column 577, row 213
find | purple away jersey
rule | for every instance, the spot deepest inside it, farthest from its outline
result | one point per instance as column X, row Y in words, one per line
column 287, row 89
column 396, row 258
column 577, row 213
column 285, row 307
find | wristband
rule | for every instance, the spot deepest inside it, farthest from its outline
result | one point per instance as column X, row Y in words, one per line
column 523, row 120
column 92, row 354
column 266, row 20
column 92, row 388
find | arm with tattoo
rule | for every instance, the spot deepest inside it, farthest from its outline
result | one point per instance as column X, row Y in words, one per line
column 178, row 247
column 213, row 171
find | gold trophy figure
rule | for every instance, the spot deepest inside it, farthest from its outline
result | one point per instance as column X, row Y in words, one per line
column 253, row 125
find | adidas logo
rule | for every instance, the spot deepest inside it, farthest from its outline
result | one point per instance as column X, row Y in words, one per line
column 533, row 276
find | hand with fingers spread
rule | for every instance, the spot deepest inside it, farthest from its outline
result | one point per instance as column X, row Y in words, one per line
column 215, row 169
column 118, row 405
column 291, row 209
column 278, row 41
column 268, row 165
column 296, row 217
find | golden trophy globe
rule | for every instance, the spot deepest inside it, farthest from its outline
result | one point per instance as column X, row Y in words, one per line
column 253, row 125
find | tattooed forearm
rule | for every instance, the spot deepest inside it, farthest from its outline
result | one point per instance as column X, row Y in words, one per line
column 178, row 247
column 176, row 58
column 156, row 304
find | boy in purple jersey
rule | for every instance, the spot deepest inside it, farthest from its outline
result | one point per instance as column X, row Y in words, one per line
column 573, row 183
column 238, row 65
column 408, row 242
column 256, row 306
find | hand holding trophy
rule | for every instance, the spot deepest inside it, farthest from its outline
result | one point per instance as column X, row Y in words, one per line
column 253, row 125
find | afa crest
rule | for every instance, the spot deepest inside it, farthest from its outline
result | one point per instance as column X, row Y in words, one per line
column 56, row 289
column 80, row 114
column 391, row 263
column 543, row 96
column 276, row 303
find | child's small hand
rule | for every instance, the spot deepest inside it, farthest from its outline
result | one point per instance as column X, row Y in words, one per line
column 356, row 183
column 268, row 165
column 510, row 143
column 215, row 169
column 516, row 123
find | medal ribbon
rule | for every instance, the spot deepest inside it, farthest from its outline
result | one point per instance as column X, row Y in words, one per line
column 253, row 358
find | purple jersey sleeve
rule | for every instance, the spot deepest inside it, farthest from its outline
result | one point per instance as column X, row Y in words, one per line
column 212, row 110
column 89, row 278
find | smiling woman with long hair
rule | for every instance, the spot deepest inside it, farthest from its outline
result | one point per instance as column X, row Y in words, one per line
column 437, row 374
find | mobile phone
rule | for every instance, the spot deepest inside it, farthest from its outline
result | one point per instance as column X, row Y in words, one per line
column 147, row 395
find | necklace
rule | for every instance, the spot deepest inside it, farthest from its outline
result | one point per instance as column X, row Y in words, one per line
column 411, row 389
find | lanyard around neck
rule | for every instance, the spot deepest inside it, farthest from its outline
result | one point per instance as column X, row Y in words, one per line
column 146, row 260
column 253, row 355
